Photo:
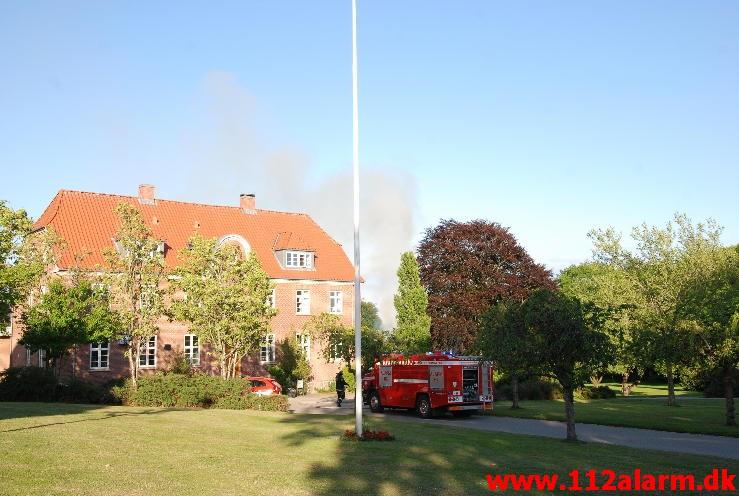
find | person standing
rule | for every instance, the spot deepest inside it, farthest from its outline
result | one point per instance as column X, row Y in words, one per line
column 340, row 388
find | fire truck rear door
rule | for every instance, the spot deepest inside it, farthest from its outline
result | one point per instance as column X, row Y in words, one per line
column 485, row 372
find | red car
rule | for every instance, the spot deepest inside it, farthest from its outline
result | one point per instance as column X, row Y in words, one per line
column 264, row 386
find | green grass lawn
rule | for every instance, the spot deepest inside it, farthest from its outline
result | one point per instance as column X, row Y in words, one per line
column 705, row 416
column 643, row 390
column 85, row 450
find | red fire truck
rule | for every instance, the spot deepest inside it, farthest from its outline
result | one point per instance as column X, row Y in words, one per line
column 430, row 383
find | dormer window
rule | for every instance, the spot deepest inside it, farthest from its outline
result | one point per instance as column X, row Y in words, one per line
column 160, row 248
column 299, row 259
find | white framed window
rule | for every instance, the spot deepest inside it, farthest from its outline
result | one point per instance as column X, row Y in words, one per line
column 304, row 344
column 335, row 302
column 272, row 298
column 148, row 353
column 42, row 358
column 302, row 302
column 8, row 328
column 267, row 350
column 299, row 259
column 99, row 355
column 192, row 349
column 335, row 352
column 28, row 356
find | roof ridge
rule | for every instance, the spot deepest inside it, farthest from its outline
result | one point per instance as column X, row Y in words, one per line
column 181, row 201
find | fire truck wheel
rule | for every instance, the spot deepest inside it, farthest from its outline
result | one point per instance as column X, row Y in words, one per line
column 423, row 407
column 374, row 402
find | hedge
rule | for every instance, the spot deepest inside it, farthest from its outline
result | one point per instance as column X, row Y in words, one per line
column 38, row 384
column 161, row 390
column 201, row 391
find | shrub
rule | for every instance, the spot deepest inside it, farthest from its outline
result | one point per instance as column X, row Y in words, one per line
column 291, row 365
column 278, row 374
column 180, row 365
column 272, row 403
column 28, row 384
column 530, row 389
column 350, row 378
column 76, row 391
column 177, row 390
column 596, row 393
column 710, row 382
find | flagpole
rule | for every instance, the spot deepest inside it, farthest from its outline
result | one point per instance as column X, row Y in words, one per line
column 358, row 403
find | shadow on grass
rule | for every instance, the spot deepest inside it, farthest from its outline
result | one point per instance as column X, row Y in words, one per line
column 16, row 410
column 421, row 460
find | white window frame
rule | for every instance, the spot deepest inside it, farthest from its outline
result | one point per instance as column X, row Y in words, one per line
column 335, row 353
column 267, row 349
column 304, row 343
column 299, row 259
column 41, row 358
column 8, row 328
column 145, row 353
column 28, row 356
column 99, row 347
column 272, row 298
column 302, row 302
column 335, row 302
column 192, row 350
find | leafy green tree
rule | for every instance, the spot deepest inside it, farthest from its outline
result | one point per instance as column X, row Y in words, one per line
column 568, row 348
column 661, row 269
column 713, row 309
column 136, row 268
column 413, row 331
column 24, row 257
column 509, row 343
column 338, row 340
column 291, row 364
column 370, row 315
column 68, row 316
column 611, row 292
column 225, row 299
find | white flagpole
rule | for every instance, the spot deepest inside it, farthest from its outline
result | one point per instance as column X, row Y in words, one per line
column 358, row 403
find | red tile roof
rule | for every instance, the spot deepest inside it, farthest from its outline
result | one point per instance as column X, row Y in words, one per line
column 87, row 222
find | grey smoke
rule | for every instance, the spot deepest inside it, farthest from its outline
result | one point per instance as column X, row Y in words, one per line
column 230, row 156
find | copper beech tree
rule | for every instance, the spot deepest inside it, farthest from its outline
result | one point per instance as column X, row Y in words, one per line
column 467, row 267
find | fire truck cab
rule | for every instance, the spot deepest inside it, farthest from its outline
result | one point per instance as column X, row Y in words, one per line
column 431, row 383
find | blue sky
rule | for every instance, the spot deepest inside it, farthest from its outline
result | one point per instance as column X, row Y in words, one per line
column 548, row 117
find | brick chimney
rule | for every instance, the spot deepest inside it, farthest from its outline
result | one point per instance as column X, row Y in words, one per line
column 146, row 194
column 248, row 203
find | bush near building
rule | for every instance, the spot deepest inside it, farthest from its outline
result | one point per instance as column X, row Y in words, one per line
column 161, row 390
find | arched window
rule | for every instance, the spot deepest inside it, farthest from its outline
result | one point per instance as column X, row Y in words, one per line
column 235, row 239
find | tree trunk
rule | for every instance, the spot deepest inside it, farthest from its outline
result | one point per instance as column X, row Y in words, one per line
column 514, row 390
column 729, row 396
column 570, row 412
column 223, row 362
column 670, row 387
column 625, row 389
column 133, row 363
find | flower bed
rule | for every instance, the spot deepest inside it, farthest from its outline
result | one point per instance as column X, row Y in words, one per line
column 369, row 435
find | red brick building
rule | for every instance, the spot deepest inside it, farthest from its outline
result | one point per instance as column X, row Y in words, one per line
column 310, row 272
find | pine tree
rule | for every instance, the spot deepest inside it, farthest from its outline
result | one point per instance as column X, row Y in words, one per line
column 412, row 333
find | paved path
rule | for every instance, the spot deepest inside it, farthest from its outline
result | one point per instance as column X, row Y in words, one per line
column 699, row 444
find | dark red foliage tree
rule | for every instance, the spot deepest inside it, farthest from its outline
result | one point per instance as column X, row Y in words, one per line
column 467, row 267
